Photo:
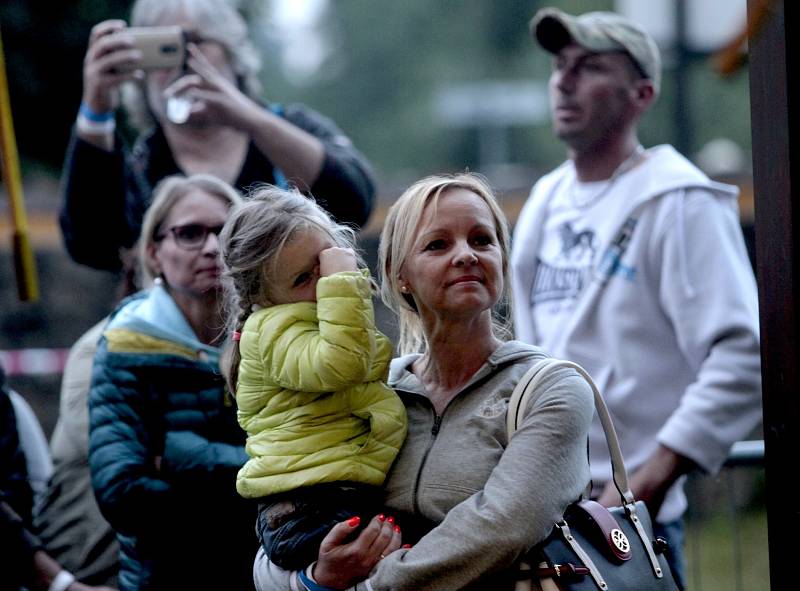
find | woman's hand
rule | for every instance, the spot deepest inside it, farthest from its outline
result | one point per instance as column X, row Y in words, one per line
column 215, row 99
column 341, row 564
column 111, row 59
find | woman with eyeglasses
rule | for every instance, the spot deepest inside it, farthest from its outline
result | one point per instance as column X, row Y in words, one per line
column 164, row 443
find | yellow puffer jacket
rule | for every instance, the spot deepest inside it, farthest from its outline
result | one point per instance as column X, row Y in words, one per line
column 311, row 392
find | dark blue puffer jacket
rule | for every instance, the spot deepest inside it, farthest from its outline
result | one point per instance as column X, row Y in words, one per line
column 164, row 450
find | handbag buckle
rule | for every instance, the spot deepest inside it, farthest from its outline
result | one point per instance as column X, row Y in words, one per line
column 565, row 572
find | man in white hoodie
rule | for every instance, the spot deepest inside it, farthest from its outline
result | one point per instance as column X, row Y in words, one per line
column 631, row 262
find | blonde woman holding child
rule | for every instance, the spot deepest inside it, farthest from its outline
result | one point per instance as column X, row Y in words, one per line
column 470, row 501
column 308, row 368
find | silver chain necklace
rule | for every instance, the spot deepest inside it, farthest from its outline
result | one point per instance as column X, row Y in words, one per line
column 629, row 162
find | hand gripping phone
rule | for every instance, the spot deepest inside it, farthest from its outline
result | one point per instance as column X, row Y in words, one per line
column 161, row 47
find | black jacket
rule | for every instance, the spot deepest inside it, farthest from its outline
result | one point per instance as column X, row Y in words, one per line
column 105, row 194
column 16, row 501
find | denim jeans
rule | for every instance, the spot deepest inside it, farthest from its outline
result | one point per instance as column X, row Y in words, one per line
column 673, row 532
column 291, row 525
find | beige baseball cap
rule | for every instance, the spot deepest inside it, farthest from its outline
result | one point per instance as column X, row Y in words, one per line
column 599, row 32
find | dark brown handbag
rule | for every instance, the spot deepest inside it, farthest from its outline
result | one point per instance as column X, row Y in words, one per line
column 592, row 547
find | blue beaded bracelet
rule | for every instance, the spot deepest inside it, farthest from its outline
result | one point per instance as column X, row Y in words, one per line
column 311, row 585
column 96, row 117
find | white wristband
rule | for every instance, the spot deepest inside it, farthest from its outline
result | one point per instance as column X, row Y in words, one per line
column 85, row 125
column 61, row 581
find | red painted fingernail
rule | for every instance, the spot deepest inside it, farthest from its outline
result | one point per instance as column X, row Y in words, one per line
column 397, row 528
column 354, row 521
column 390, row 519
column 406, row 545
column 381, row 517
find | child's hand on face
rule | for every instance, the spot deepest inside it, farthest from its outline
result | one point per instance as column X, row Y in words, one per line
column 336, row 260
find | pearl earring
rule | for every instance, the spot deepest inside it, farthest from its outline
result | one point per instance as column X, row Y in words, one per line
column 404, row 288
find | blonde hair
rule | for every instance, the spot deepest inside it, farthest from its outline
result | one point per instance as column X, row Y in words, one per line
column 397, row 239
column 251, row 244
column 212, row 20
column 166, row 194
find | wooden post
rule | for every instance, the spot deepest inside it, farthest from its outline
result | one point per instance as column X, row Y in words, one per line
column 776, row 156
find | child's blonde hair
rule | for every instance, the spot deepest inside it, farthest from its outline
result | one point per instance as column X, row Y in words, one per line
column 250, row 246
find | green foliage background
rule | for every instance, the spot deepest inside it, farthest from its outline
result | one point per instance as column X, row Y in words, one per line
column 387, row 59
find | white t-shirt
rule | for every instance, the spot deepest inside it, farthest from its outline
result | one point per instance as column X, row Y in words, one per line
column 580, row 219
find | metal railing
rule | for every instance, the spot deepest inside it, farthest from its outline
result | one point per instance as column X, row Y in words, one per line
column 746, row 453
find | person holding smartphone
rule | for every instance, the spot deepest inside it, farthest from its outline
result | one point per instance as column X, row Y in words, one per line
column 201, row 114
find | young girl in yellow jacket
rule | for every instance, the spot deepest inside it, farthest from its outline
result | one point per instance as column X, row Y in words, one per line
column 308, row 368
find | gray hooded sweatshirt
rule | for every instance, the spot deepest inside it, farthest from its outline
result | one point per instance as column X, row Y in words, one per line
column 480, row 501
column 487, row 500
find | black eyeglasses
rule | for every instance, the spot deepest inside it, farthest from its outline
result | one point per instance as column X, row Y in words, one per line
column 192, row 236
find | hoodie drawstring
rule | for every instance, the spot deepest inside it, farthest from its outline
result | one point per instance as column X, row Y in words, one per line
column 683, row 258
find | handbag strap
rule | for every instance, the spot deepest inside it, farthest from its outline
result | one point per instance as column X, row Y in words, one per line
column 526, row 387
column 516, row 408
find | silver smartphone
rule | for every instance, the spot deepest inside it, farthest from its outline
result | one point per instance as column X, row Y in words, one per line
column 161, row 47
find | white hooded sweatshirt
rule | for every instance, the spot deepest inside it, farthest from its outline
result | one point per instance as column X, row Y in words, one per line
column 666, row 321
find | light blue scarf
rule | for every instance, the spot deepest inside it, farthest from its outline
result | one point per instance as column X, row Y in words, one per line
column 157, row 315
